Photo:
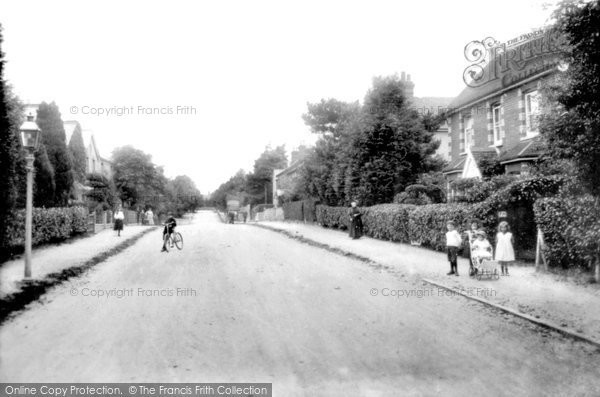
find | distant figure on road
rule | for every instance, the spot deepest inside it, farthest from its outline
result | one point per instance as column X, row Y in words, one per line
column 245, row 216
column 119, row 216
column 356, row 226
column 231, row 216
column 170, row 224
column 150, row 217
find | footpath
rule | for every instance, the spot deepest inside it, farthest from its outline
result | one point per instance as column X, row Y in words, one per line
column 540, row 297
column 55, row 263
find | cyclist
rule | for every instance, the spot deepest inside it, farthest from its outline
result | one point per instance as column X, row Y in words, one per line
column 170, row 224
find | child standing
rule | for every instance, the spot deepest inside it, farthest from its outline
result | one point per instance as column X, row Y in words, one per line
column 504, row 247
column 453, row 243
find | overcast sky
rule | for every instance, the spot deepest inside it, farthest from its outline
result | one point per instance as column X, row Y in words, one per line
column 248, row 68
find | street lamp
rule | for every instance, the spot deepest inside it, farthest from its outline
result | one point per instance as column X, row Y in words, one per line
column 30, row 136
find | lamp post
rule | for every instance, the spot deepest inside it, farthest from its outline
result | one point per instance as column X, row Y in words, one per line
column 30, row 135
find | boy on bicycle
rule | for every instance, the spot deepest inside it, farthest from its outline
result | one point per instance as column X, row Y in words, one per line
column 170, row 224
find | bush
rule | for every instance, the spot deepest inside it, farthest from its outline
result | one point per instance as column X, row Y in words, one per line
column 571, row 227
column 387, row 222
column 49, row 225
column 333, row 217
column 427, row 223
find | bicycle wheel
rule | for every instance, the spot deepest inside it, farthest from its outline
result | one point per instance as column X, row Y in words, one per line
column 178, row 240
column 166, row 242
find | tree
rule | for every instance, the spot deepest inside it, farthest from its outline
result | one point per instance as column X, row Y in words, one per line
column 236, row 186
column 139, row 181
column 103, row 194
column 322, row 175
column 391, row 146
column 54, row 139
column 572, row 126
column 260, row 181
column 9, row 154
column 77, row 150
column 185, row 197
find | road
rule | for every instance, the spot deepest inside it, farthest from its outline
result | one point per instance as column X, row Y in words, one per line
column 256, row 306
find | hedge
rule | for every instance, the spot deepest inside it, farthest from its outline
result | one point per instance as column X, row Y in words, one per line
column 49, row 225
column 571, row 227
column 387, row 221
column 426, row 224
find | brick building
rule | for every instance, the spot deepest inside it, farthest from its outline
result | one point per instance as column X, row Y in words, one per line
column 496, row 117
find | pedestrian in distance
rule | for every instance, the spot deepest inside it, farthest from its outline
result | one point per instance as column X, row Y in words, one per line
column 505, row 252
column 150, row 217
column 119, row 217
column 453, row 243
column 356, row 226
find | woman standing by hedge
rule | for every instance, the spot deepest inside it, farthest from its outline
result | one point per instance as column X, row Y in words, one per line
column 119, row 216
column 356, row 226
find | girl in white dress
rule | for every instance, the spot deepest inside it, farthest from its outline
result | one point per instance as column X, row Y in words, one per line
column 505, row 252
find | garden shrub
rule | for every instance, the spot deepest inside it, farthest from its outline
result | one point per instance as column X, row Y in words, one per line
column 49, row 225
column 387, row 222
column 427, row 223
column 571, row 227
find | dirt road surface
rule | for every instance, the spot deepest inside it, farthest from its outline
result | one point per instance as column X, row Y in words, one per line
column 243, row 304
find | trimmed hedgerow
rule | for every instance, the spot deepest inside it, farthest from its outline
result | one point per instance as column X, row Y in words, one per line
column 427, row 223
column 333, row 217
column 49, row 225
column 387, row 221
column 571, row 227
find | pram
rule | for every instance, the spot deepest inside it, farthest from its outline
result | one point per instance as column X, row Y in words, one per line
column 484, row 267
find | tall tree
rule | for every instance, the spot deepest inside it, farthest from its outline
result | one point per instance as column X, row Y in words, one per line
column 77, row 150
column 53, row 136
column 572, row 128
column 259, row 182
column 9, row 156
column 138, row 180
column 390, row 149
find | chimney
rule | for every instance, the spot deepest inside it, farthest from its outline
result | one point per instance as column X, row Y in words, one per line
column 409, row 89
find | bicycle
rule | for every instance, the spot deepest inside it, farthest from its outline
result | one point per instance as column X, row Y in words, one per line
column 173, row 239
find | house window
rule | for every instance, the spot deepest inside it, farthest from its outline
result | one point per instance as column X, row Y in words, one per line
column 496, row 124
column 532, row 113
column 468, row 132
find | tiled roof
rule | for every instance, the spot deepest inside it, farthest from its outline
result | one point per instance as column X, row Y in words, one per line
column 455, row 166
column 529, row 148
column 483, row 153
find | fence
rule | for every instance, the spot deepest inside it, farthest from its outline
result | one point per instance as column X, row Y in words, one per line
column 100, row 220
column 270, row 214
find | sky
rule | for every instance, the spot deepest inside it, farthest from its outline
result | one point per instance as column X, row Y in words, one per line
column 205, row 86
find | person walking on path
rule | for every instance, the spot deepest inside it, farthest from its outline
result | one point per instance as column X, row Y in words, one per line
column 119, row 216
column 453, row 243
column 150, row 217
column 471, row 235
column 356, row 226
column 505, row 252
